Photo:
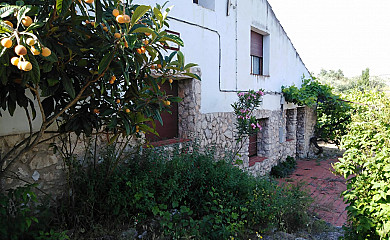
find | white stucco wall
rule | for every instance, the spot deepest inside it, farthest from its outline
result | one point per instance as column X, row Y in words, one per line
column 202, row 47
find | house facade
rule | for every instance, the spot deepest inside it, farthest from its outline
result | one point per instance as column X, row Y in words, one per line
column 239, row 45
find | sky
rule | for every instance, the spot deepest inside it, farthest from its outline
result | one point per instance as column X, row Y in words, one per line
column 350, row 35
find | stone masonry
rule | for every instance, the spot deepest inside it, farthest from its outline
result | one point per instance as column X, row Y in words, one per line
column 285, row 132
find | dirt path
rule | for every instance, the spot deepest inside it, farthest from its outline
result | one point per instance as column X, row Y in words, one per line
column 325, row 188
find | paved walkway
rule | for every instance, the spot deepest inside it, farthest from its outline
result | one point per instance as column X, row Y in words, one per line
column 325, row 188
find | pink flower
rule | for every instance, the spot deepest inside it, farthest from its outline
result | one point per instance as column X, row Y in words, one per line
column 253, row 125
column 241, row 94
column 259, row 126
column 260, row 93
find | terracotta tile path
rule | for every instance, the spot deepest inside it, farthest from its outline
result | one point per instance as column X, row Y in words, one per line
column 325, row 188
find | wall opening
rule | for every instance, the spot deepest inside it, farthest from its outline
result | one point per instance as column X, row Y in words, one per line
column 170, row 127
column 252, row 149
column 291, row 127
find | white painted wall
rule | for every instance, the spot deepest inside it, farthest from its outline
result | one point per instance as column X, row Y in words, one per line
column 202, row 46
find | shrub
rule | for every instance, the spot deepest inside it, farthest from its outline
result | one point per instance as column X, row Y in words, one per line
column 366, row 166
column 182, row 193
column 16, row 214
column 285, row 168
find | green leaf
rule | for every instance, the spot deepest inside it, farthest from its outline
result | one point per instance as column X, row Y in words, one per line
column 99, row 12
column 7, row 10
column 173, row 38
column 180, row 58
column 158, row 14
column 106, row 60
column 11, row 105
column 190, row 65
column 35, row 73
column 68, row 85
column 52, row 81
column 5, row 28
column 35, row 25
column 138, row 13
column 192, row 75
column 143, row 30
column 62, row 6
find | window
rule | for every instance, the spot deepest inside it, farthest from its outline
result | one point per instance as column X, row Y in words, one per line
column 210, row 4
column 256, row 53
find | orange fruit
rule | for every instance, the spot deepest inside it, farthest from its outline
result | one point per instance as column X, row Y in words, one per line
column 115, row 12
column 96, row 111
column 117, row 35
column 158, row 87
column 146, row 42
column 26, row 21
column 126, row 18
column 143, row 49
column 46, row 52
column 170, row 81
column 120, row 19
column 147, row 34
column 87, row 22
column 118, row 101
column 89, row 1
column 103, row 25
column 139, row 50
column 26, row 66
column 6, row 42
column 34, row 51
column 105, row 29
column 15, row 61
column 20, row 50
column 127, row 110
column 159, row 66
column 126, row 44
column 167, row 102
column 136, row 128
column 152, row 67
column 92, row 23
column 113, row 78
column 9, row 23
column 30, row 41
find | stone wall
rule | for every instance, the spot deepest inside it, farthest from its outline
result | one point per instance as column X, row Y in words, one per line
column 40, row 166
column 285, row 132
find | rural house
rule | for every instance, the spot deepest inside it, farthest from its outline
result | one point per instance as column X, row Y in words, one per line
column 238, row 45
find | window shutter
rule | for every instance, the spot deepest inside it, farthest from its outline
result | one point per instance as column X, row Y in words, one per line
column 256, row 44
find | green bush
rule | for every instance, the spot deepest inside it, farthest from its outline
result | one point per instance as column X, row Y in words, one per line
column 183, row 193
column 366, row 166
column 16, row 214
column 285, row 168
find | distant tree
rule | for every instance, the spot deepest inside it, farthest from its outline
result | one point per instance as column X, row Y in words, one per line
column 342, row 84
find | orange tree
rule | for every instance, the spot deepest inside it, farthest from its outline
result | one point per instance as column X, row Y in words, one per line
column 89, row 65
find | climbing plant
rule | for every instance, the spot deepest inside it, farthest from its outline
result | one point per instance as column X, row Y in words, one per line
column 86, row 66
column 333, row 113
